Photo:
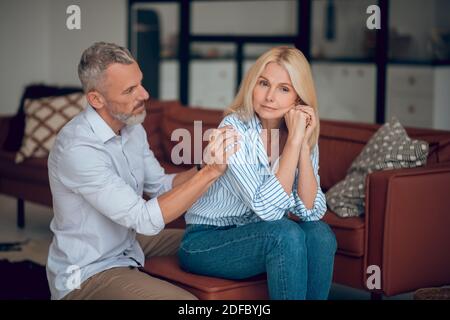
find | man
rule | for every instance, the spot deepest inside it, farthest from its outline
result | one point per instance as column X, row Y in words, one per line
column 99, row 168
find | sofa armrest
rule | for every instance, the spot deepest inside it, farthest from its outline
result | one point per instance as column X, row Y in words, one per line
column 5, row 122
column 408, row 227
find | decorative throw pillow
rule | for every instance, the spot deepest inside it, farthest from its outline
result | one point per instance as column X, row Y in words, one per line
column 44, row 118
column 389, row 148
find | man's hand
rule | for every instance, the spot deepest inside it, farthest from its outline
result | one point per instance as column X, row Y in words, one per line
column 223, row 143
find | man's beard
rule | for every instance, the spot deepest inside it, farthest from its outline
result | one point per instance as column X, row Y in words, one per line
column 129, row 119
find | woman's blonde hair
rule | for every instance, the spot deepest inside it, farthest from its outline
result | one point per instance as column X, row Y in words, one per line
column 299, row 71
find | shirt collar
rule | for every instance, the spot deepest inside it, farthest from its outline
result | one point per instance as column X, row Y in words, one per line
column 255, row 123
column 98, row 125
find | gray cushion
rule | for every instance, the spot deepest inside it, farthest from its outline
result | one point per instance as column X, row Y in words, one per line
column 389, row 148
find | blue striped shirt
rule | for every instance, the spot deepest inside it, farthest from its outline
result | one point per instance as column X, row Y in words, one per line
column 249, row 191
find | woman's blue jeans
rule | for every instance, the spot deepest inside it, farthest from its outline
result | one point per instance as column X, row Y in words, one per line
column 297, row 256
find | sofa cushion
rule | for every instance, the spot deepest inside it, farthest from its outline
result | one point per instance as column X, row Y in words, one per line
column 349, row 233
column 345, row 139
column 389, row 148
column 44, row 118
column 207, row 288
column 182, row 119
column 15, row 134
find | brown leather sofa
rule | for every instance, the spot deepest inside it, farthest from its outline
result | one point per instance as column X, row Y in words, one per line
column 405, row 230
column 29, row 179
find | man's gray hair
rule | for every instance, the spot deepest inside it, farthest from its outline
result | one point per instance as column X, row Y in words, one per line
column 96, row 59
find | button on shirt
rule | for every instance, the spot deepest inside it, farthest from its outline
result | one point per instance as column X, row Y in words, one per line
column 249, row 190
column 97, row 179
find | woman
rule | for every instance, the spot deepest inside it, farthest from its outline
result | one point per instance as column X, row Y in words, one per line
column 241, row 227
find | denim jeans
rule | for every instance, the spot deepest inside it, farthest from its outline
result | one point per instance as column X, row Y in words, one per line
column 298, row 257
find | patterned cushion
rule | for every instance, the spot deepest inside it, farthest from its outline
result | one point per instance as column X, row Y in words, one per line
column 389, row 148
column 44, row 118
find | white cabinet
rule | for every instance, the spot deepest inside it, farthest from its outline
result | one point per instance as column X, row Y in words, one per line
column 415, row 96
column 345, row 92
column 212, row 83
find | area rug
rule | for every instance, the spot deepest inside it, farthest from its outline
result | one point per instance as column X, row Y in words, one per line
column 22, row 270
column 34, row 250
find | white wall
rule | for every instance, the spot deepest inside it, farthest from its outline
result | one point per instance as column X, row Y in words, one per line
column 24, row 38
column 37, row 46
column 101, row 20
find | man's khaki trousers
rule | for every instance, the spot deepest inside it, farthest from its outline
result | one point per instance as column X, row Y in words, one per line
column 127, row 283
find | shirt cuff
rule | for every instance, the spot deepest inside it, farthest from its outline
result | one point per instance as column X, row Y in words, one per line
column 156, row 217
column 313, row 214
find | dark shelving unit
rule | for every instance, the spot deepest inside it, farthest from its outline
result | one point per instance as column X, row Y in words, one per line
column 301, row 40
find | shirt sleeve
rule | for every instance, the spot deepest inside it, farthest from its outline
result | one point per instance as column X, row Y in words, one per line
column 156, row 181
column 319, row 206
column 260, row 190
column 87, row 170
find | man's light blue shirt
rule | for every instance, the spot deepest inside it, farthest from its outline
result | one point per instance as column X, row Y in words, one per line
column 97, row 179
